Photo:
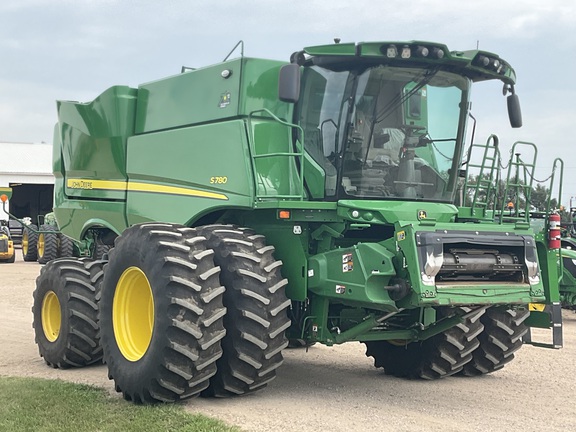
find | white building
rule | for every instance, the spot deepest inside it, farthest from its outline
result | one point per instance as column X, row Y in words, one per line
column 27, row 169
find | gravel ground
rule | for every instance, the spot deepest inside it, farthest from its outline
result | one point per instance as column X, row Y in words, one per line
column 338, row 389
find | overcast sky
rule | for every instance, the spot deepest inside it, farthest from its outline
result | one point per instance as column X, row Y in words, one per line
column 75, row 49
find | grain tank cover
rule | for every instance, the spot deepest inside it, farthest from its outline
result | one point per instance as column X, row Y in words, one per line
column 222, row 91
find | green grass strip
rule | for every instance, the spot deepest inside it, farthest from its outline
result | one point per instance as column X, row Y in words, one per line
column 38, row 405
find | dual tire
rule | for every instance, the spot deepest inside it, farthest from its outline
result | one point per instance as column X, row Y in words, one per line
column 52, row 244
column 500, row 340
column 484, row 343
column 440, row 356
column 179, row 312
column 198, row 311
column 66, row 310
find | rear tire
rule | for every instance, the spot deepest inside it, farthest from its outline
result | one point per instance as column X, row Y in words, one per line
column 100, row 249
column 30, row 243
column 439, row 356
column 47, row 244
column 501, row 338
column 161, row 313
column 256, row 320
column 65, row 312
column 66, row 246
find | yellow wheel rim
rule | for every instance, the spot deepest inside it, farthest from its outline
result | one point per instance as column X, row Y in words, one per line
column 25, row 243
column 40, row 245
column 51, row 316
column 133, row 314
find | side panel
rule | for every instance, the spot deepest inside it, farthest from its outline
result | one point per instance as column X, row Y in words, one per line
column 192, row 97
column 259, row 88
column 93, row 142
column 205, row 95
column 89, row 161
column 180, row 175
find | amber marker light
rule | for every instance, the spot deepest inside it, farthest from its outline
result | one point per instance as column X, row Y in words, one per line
column 4, row 197
column 284, row 214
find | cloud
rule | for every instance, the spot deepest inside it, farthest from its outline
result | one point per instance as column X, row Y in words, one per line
column 75, row 49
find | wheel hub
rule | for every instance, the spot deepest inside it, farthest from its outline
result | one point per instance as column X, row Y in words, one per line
column 40, row 245
column 133, row 314
column 25, row 243
column 51, row 316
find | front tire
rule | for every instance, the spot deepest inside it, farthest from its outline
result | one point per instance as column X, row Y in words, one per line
column 161, row 313
column 501, row 338
column 439, row 356
column 30, row 243
column 256, row 302
column 65, row 312
column 47, row 244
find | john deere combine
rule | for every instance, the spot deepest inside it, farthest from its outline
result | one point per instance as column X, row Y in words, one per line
column 252, row 203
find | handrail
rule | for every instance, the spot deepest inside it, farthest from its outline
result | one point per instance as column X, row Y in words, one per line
column 491, row 153
column 295, row 154
column 517, row 185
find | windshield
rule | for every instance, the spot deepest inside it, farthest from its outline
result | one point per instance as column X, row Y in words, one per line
column 385, row 132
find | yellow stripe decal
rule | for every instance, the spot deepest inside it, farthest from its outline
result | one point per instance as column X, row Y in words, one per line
column 140, row 187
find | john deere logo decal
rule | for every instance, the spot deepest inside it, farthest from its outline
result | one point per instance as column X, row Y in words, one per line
column 422, row 214
column 224, row 100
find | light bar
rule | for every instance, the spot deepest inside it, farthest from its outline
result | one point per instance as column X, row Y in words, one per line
column 494, row 64
column 406, row 53
column 409, row 51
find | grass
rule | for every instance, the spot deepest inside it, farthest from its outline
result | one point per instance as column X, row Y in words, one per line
column 38, row 405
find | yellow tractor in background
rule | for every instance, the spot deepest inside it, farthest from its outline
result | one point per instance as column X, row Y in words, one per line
column 6, row 243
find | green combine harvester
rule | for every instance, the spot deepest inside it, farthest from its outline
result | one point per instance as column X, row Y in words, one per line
column 43, row 242
column 254, row 204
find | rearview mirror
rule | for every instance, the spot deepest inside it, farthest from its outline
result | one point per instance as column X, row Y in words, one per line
column 289, row 83
column 514, row 111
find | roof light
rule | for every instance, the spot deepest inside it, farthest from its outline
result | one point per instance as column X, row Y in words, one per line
column 497, row 65
column 483, row 61
column 405, row 52
column 421, row 51
column 437, row 52
column 391, row 51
